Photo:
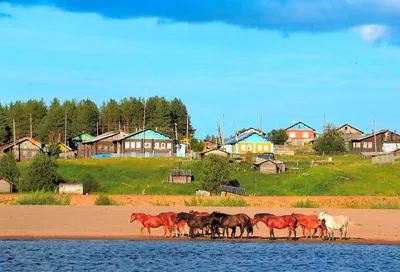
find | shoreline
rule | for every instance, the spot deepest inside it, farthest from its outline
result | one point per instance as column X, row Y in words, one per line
column 355, row 241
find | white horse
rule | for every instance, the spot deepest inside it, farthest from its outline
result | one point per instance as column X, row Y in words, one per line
column 339, row 222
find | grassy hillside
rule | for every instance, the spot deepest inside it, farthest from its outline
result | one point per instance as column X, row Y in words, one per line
column 350, row 175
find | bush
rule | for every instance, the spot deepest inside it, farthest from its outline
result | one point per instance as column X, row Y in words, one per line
column 40, row 175
column 90, row 184
column 54, row 150
column 278, row 136
column 103, row 200
column 330, row 142
column 219, row 202
column 9, row 169
column 41, row 198
column 215, row 171
column 304, row 204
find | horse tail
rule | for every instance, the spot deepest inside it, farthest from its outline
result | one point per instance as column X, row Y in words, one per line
column 354, row 224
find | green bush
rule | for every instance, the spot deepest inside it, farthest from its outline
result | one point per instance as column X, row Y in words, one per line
column 90, row 184
column 103, row 200
column 304, row 204
column 41, row 198
column 219, row 202
column 215, row 171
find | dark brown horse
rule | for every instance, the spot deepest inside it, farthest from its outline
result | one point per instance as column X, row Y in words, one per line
column 193, row 221
column 241, row 220
column 278, row 222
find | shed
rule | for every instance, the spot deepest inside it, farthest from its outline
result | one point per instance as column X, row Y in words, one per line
column 218, row 152
column 231, row 190
column 181, row 176
column 71, row 188
column 6, row 186
column 270, row 167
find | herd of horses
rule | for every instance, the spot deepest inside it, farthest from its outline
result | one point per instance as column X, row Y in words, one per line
column 218, row 224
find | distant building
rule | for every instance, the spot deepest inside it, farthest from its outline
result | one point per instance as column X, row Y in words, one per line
column 350, row 133
column 6, row 186
column 218, row 152
column 367, row 143
column 24, row 149
column 300, row 133
column 209, row 145
column 270, row 166
column 75, row 141
column 181, row 176
column 148, row 143
column 251, row 141
column 102, row 144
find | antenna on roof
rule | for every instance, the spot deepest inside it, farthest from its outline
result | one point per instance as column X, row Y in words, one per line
column 234, row 122
column 261, row 121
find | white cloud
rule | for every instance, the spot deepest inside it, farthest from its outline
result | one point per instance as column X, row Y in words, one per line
column 373, row 33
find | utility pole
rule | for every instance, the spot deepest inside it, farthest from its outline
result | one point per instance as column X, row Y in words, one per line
column 14, row 136
column 223, row 130
column 30, row 124
column 324, row 122
column 66, row 127
column 261, row 121
column 144, row 124
column 97, row 128
column 234, row 127
column 187, row 130
column 375, row 137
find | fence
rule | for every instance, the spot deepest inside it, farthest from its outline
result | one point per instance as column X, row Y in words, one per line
column 387, row 158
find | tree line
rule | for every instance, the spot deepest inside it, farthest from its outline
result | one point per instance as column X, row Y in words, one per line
column 48, row 122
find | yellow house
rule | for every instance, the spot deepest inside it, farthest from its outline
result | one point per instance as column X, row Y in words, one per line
column 251, row 142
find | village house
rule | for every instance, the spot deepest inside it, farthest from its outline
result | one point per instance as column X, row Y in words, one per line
column 367, row 143
column 181, row 176
column 218, row 152
column 6, row 186
column 209, row 145
column 350, row 133
column 24, row 149
column 300, row 134
column 269, row 166
column 75, row 141
column 249, row 142
column 146, row 143
column 100, row 145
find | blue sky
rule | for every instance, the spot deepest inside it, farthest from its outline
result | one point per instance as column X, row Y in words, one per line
column 285, row 60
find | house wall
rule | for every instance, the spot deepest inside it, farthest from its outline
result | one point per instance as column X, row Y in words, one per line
column 253, row 144
column 25, row 151
column 71, row 188
column 390, row 147
column 148, row 145
column 181, row 179
column 368, row 144
column 350, row 132
column 268, row 168
column 5, row 186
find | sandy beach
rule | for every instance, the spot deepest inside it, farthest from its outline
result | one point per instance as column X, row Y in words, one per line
column 111, row 222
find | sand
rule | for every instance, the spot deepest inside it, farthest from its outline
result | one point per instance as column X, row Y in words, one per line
column 111, row 222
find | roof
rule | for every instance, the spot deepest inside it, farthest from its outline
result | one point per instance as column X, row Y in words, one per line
column 251, row 129
column 147, row 134
column 347, row 125
column 371, row 135
column 215, row 149
column 64, row 147
column 103, row 136
column 181, row 172
column 299, row 123
column 21, row 140
column 242, row 137
column 6, row 180
column 268, row 160
column 82, row 137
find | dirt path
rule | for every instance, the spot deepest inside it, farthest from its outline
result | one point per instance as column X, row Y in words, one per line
column 91, row 222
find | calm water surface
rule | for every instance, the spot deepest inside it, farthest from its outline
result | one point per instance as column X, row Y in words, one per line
column 103, row 255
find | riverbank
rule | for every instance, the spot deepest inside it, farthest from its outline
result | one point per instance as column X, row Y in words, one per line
column 111, row 222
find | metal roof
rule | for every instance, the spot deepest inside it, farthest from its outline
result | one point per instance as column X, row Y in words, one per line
column 242, row 137
column 82, row 137
column 300, row 122
column 137, row 134
column 371, row 135
column 104, row 136
column 21, row 140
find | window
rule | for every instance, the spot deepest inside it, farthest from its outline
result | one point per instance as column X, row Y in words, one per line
column 354, row 145
column 370, row 145
column 169, row 146
column 292, row 134
column 259, row 147
column 162, row 145
column 243, row 147
column 127, row 144
column 305, row 135
column 132, row 145
column 138, row 145
column 157, row 145
column 365, row 145
column 249, row 147
column 147, row 145
column 266, row 148
column 358, row 145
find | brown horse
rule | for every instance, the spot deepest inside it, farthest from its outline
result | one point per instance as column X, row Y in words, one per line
column 278, row 222
column 177, row 228
column 240, row 220
column 309, row 222
column 193, row 221
column 206, row 229
column 149, row 221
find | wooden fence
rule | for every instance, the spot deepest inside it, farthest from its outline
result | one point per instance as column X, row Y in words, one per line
column 387, row 158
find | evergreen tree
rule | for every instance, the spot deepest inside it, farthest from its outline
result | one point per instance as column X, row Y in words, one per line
column 179, row 115
column 14, row 113
column 9, row 169
column 5, row 131
column 87, row 117
column 110, row 116
column 52, row 127
column 36, row 109
column 69, row 110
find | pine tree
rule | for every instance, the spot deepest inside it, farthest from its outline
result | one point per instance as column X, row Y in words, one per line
column 87, row 117
column 5, row 131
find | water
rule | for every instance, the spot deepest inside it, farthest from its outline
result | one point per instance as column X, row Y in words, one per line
column 104, row 255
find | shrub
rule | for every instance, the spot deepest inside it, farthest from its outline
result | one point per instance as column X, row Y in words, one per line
column 330, row 142
column 278, row 136
column 41, row 198
column 214, row 172
column 103, row 200
column 90, row 184
column 9, row 169
column 219, row 202
column 384, row 204
column 304, row 204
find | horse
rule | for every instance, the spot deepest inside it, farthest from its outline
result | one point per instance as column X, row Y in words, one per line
column 240, row 220
column 175, row 228
column 309, row 222
column 215, row 224
column 207, row 229
column 278, row 222
column 193, row 221
column 149, row 221
column 339, row 222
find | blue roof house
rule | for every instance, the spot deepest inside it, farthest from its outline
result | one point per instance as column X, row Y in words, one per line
column 251, row 142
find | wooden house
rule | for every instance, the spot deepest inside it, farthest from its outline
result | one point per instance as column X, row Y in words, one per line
column 350, row 133
column 102, row 144
column 218, row 152
column 209, row 145
column 300, row 133
column 227, row 190
column 367, row 143
column 249, row 142
column 146, row 143
column 181, row 176
column 6, row 186
column 75, row 141
column 270, row 167
column 24, row 149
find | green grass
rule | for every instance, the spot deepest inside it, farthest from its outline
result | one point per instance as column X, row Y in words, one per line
column 103, row 200
column 304, row 204
column 217, row 202
column 350, row 175
column 41, row 198
column 386, row 204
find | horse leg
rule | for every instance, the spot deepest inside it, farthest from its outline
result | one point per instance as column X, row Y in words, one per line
column 271, row 234
column 191, row 232
column 148, row 229
column 332, row 235
column 294, row 232
column 304, row 230
column 290, row 233
column 345, row 233
column 141, row 230
column 241, row 232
